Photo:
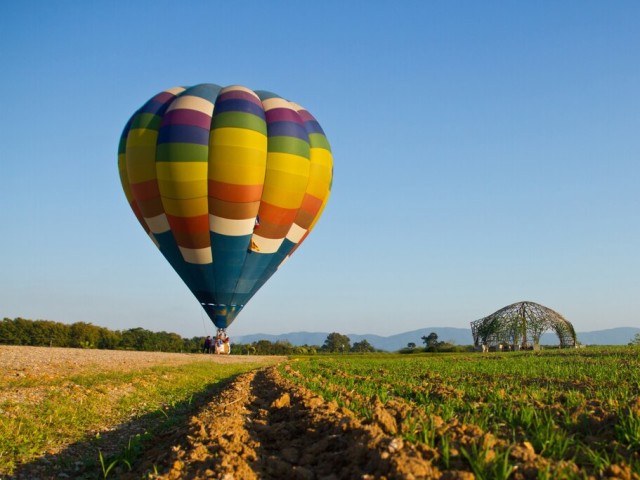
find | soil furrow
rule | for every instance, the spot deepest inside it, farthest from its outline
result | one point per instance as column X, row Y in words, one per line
column 264, row 426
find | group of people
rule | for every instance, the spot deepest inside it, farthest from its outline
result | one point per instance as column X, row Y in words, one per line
column 221, row 344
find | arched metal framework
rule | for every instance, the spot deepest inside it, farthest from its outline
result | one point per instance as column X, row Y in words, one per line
column 520, row 325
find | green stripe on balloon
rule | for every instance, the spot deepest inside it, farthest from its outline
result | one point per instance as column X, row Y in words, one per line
column 317, row 140
column 291, row 145
column 239, row 120
column 146, row 120
column 182, row 152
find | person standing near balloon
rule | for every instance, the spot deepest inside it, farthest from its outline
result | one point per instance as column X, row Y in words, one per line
column 206, row 348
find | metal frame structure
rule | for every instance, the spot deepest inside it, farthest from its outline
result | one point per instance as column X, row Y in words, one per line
column 520, row 326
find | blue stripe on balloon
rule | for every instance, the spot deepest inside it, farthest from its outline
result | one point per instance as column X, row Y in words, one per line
column 275, row 260
column 229, row 257
column 253, row 272
column 183, row 134
column 313, row 126
column 287, row 129
column 199, row 278
column 239, row 105
column 208, row 91
column 265, row 95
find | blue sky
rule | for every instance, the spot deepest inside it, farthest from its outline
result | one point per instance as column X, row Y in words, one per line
column 485, row 153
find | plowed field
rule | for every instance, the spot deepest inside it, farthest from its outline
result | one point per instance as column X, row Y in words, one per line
column 269, row 424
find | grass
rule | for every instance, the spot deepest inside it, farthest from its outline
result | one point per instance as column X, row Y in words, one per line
column 54, row 413
column 579, row 409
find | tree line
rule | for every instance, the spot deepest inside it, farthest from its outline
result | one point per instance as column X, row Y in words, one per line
column 47, row 333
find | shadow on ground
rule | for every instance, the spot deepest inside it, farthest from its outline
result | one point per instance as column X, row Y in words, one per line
column 120, row 449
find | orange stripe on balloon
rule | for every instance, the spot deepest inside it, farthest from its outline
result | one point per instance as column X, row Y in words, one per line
column 189, row 224
column 277, row 215
column 233, row 210
column 145, row 190
column 190, row 232
column 311, row 204
column 151, row 208
column 234, row 193
column 192, row 239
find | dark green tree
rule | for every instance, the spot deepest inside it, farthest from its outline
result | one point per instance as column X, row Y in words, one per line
column 108, row 339
column 11, row 332
column 84, row 335
column 137, row 339
column 263, row 347
column 362, row 347
column 336, row 343
column 431, row 341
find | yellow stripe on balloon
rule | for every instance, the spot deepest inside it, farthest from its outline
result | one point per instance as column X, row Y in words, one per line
column 237, row 156
column 182, row 180
column 141, row 164
column 124, row 177
column 286, row 162
column 320, row 172
column 142, row 137
column 237, row 166
column 238, row 137
column 186, row 208
column 286, row 180
column 182, row 171
column 182, row 190
column 141, row 155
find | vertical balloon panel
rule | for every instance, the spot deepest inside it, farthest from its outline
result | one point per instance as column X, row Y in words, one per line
column 237, row 169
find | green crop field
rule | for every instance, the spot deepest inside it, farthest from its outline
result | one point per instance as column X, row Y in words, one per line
column 549, row 414
column 568, row 414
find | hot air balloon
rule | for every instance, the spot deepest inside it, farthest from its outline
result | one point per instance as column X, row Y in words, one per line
column 227, row 182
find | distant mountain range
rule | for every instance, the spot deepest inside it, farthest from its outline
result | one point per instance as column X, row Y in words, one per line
column 459, row 336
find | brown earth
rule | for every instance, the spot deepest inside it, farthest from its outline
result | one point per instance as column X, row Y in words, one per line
column 264, row 426
column 17, row 361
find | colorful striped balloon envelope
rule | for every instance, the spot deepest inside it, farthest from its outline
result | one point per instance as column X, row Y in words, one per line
column 227, row 182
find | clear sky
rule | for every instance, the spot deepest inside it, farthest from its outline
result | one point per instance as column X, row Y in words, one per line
column 485, row 153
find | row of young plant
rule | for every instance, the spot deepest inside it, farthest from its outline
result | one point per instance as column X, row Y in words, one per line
column 578, row 410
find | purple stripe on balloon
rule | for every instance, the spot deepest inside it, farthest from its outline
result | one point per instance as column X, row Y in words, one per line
column 310, row 123
column 287, row 129
column 184, row 116
column 306, row 116
column 283, row 115
column 183, row 134
column 239, row 94
column 163, row 97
